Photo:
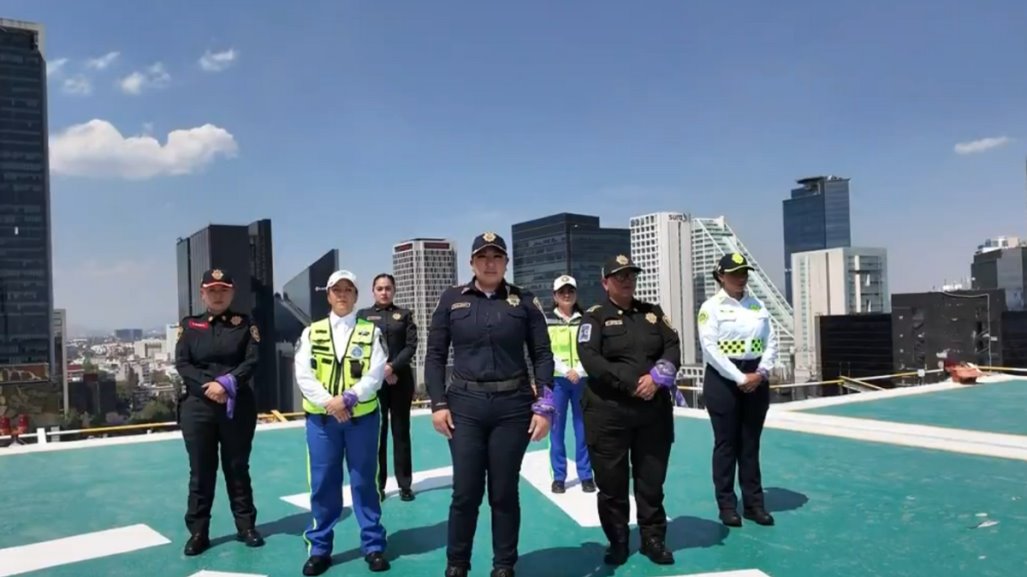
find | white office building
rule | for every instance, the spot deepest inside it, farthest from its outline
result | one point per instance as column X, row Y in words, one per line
column 712, row 238
column 835, row 281
column 424, row 268
column 661, row 243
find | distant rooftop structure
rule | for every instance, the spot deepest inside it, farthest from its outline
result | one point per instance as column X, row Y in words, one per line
column 999, row 243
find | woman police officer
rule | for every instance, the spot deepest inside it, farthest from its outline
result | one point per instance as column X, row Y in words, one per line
column 489, row 410
column 740, row 347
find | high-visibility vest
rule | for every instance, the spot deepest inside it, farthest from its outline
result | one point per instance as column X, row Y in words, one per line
column 337, row 376
column 563, row 338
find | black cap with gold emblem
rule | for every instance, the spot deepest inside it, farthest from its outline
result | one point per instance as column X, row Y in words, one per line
column 216, row 277
column 487, row 239
column 618, row 263
column 732, row 262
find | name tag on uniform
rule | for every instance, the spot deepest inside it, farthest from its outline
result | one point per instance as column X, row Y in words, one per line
column 460, row 305
column 374, row 318
column 613, row 322
column 198, row 325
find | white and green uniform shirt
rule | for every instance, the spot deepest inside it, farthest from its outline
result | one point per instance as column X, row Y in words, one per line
column 740, row 330
column 563, row 334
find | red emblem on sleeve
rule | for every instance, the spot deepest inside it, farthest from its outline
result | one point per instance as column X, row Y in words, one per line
column 199, row 325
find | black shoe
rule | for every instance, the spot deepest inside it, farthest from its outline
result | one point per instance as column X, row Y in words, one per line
column 730, row 518
column 557, row 487
column 377, row 562
column 616, row 554
column 655, row 549
column 760, row 516
column 588, row 486
column 502, row 572
column 452, row 571
column 251, row 537
column 406, row 495
column 196, row 544
column 317, row 565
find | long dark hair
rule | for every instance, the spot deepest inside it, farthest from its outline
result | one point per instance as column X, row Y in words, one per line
column 391, row 278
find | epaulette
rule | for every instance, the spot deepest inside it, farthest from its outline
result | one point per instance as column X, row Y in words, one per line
column 593, row 308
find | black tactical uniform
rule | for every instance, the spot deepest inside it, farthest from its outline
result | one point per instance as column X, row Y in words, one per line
column 210, row 347
column 617, row 346
column 490, row 400
column 400, row 333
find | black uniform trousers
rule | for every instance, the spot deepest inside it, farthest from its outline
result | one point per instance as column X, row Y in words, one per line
column 737, row 418
column 395, row 401
column 205, row 429
column 630, row 441
column 490, row 436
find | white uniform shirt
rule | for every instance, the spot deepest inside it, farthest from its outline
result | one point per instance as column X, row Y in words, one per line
column 731, row 329
column 561, row 367
column 368, row 384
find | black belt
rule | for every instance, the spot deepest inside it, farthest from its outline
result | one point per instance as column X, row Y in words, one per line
column 491, row 386
column 746, row 362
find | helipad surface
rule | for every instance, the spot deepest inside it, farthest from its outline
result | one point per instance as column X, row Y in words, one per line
column 909, row 501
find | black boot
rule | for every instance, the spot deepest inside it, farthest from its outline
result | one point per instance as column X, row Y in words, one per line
column 452, row 571
column 656, row 550
column 377, row 562
column 617, row 553
column 730, row 518
column 251, row 537
column 317, row 565
column 196, row 544
column 760, row 516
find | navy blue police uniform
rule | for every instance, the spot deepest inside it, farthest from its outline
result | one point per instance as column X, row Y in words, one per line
column 618, row 346
column 219, row 348
column 400, row 332
column 491, row 402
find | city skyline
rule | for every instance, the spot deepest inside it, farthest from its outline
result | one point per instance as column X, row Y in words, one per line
column 427, row 153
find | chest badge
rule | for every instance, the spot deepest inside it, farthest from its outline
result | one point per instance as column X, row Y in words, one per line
column 396, row 316
column 513, row 300
column 236, row 320
column 651, row 317
column 356, row 352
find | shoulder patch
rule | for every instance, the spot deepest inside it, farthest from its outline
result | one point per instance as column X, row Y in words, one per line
column 538, row 305
column 703, row 317
column 585, row 333
column 255, row 333
column 594, row 308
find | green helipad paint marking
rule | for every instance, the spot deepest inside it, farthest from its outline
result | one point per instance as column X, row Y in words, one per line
column 843, row 508
column 992, row 408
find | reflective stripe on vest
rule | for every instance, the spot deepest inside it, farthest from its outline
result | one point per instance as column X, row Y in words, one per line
column 336, row 376
column 737, row 347
column 564, row 340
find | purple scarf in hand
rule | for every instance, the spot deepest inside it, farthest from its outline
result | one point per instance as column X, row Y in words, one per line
column 228, row 382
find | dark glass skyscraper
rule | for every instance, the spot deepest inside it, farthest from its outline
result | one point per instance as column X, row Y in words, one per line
column 565, row 243
column 815, row 217
column 26, row 284
column 245, row 253
column 302, row 291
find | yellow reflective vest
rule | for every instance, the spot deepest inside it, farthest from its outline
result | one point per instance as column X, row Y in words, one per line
column 563, row 337
column 337, row 376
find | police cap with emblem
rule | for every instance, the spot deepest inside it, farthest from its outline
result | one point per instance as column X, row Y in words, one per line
column 488, row 239
column 340, row 275
column 618, row 263
column 732, row 262
column 216, row 277
column 564, row 280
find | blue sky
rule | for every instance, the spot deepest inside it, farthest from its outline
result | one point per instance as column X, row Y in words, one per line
column 356, row 125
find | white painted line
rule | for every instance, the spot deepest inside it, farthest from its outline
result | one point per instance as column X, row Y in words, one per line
column 577, row 504
column 206, row 573
column 47, row 554
column 421, row 481
column 739, row 573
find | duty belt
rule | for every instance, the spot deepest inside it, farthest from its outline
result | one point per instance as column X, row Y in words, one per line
column 490, row 386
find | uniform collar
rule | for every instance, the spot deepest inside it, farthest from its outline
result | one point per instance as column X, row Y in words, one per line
column 223, row 317
column 502, row 291
column 633, row 307
column 722, row 294
column 348, row 320
column 558, row 314
column 387, row 307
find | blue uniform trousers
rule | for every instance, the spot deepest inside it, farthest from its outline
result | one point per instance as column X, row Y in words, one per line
column 564, row 393
column 328, row 443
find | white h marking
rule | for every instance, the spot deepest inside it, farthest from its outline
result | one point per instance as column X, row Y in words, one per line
column 47, row 554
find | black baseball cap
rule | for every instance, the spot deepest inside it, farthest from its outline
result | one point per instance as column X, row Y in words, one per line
column 618, row 263
column 216, row 277
column 732, row 262
column 487, row 239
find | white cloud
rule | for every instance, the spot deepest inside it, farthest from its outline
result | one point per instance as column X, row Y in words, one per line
column 217, row 61
column 153, row 77
column 98, row 149
column 78, row 85
column 981, row 145
column 54, row 66
column 102, row 62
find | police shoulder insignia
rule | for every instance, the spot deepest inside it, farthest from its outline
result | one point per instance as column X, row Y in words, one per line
column 538, row 305
column 703, row 317
column 651, row 317
column 514, row 300
column 666, row 321
column 180, row 331
column 255, row 333
column 594, row 308
column 397, row 316
column 236, row 320
column 585, row 333
column 754, row 306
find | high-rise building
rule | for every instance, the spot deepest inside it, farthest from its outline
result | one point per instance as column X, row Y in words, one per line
column 574, row 244
column 815, row 217
column 661, row 244
column 712, row 238
column 964, row 326
column 244, row 252
column 59, row 370
column 834, row 281
column 306, row 290
column 26, row 276
column 1001, row 263
column 424, row 268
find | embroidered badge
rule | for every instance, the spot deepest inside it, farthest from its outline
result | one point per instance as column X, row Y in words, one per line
column 651, row 317
column 584, row 333
column 255, row 333
column 396, row 316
